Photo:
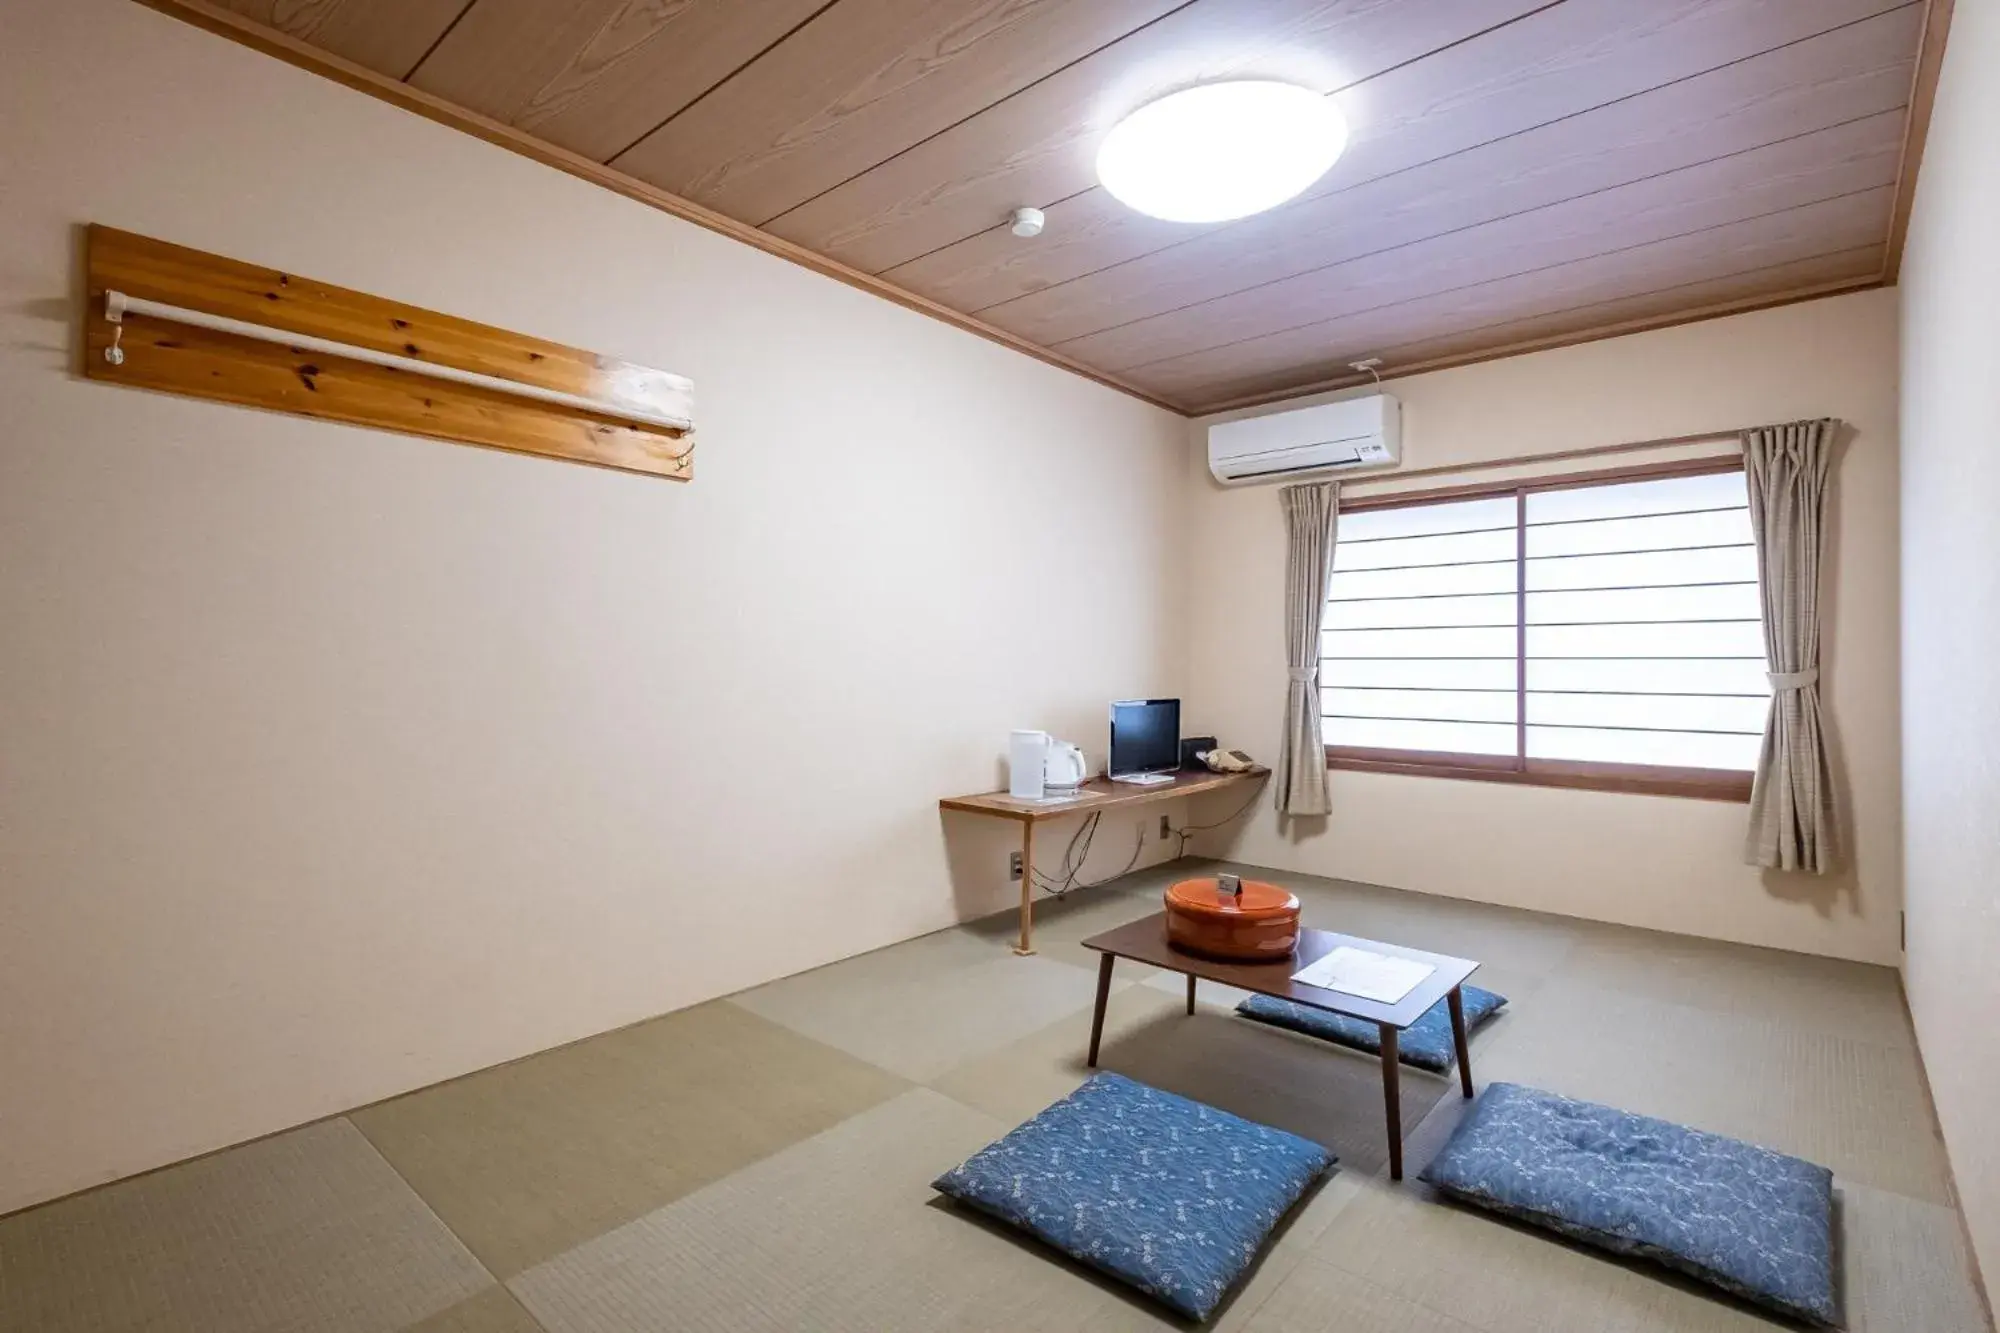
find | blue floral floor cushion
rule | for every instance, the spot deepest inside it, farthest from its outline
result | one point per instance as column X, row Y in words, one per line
column 1166, row 1194
column 1425, row 1044
column 1751, row 1221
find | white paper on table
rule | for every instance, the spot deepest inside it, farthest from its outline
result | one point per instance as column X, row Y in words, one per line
column 1372, row 976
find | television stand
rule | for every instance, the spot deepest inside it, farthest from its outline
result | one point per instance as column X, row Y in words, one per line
column 1144, row 779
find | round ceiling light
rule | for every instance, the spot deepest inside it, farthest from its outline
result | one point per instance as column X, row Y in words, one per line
column 1221, row 151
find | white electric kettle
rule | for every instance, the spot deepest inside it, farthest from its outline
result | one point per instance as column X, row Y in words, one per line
column 1064, row 769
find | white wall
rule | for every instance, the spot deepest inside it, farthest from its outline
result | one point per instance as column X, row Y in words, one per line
column 335, row 762
column 1951, row 614
column 1668, row 863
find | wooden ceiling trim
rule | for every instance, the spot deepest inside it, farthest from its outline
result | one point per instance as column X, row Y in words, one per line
column 596, row 76
column 387, row 36
column 1594, row 332
column 1826, row 164
column 1849, row 222
column 1778, row 95
column 1544, row 64
column 1923, row 95
column 1035, row 147
column 214, row 18
column 861, row 83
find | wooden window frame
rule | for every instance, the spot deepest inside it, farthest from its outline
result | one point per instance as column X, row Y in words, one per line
column 1708, row 784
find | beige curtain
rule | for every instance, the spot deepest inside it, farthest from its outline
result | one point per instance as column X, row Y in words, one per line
column 1791, row 802
column 1310, row 512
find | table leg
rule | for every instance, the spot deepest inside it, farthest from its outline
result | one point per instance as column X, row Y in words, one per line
column 1027, row 944
column 1457, row 1002
column 1104, row 965
column 1190, row 994
column 1392, row 1099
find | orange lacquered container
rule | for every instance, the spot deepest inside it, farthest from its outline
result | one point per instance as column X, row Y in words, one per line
column 1260, row 926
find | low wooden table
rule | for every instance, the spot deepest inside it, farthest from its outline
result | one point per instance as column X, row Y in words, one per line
column 1145, row 941
column 1095, row 795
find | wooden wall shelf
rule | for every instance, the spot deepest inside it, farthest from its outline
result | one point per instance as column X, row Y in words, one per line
column 631, row 419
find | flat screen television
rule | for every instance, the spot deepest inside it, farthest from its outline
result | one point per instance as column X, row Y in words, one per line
column 1145, row 740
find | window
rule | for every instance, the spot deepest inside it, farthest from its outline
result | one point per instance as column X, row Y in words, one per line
column 1603, row 632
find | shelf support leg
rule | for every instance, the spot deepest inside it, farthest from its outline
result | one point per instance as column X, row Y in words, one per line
column 1027, row 944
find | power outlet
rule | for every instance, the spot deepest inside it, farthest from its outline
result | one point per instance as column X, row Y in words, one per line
column 1013, row 866
column 1166, row 829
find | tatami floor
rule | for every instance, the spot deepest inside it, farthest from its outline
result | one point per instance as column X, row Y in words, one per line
column 762, row 1162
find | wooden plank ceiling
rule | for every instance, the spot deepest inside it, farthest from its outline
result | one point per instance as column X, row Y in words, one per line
column 1520, row 171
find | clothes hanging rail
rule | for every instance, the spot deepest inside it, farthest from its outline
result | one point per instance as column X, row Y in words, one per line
column 117, row 305
column 169, row 319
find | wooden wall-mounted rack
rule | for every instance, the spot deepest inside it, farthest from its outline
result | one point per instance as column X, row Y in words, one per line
column 165, row 317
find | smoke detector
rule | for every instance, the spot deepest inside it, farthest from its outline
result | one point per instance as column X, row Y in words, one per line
column 1027, row 221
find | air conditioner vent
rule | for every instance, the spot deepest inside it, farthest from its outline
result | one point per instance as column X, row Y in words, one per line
column 1352, row 433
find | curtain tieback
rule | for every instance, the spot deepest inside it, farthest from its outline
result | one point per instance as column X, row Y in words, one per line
column 1793, row 680
column 1302, row 675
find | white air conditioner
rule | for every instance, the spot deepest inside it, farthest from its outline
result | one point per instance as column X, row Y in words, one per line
column 1332, row 437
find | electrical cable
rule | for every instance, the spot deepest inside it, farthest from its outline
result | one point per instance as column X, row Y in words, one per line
column 1184, row 833
column 1068, row 878
column 1074, row 856
column 1138, row 850
column 1063, row 881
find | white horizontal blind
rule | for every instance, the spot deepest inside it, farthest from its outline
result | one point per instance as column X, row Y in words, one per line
column 1644, row 639
column 1641, row 636
column 1419, row 646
